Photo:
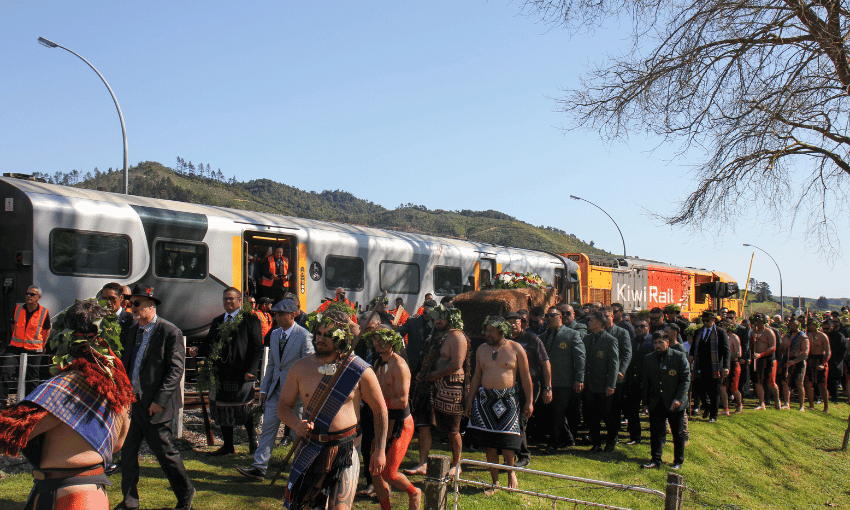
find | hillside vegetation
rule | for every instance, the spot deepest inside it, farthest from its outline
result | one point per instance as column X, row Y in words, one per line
column 155, row 180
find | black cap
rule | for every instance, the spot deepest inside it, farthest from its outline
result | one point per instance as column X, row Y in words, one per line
column 145, row 292
column 512, row 315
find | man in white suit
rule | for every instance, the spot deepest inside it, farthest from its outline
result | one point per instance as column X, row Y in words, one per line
column 289, row 342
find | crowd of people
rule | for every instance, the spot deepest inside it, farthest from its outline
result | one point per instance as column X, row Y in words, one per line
column 346, row 385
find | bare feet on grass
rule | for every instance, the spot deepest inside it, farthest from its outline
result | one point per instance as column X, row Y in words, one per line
column 419, row 469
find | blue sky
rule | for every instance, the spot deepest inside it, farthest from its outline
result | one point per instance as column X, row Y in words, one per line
column 445, row 104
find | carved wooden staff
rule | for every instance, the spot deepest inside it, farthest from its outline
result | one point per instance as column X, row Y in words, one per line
column 323, row 397
column 207, row 427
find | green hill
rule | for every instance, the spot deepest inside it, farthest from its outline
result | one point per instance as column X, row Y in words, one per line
column 155, row 180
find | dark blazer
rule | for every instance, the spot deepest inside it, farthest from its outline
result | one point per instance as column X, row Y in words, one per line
column 161, row 369
column 624, row 346
column 242, row 356
column 602, row 362
column 666, row 379
column 126, row 321
column 566, row 355
column 702, row 350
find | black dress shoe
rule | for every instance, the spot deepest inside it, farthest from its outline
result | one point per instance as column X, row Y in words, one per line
column 550, row 450
column 610, row 447
column 712, row 420
column 706, row 414
column 111, row 468
column 651, row 465
column 595, row 449
column 187, row 502
column 676, row 467
column 252, row 447
column 523, row 462
column 286, row 441
column 224, row 450
column 632, row 442
column 122, row 506
column 252, row 472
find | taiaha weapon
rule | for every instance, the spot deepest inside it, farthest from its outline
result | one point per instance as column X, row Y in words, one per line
column 207, row 427
column 323, row 397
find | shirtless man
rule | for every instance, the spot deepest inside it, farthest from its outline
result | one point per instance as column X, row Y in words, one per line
column 498, row 364
column 797, row 345
column 309, row 482
column 764, row 354
column 818, row 368
column 730, row 382
column 49, row 425
column 437, row 394
column 394, row 377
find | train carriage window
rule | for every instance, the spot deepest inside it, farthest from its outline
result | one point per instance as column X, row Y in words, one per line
column 448, row 280
column 180, row 260
column 78, row 253
column 399, row 277
column 345, row 272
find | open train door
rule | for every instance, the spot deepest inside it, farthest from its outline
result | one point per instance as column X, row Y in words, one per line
column 485, row 270
column 257, row 247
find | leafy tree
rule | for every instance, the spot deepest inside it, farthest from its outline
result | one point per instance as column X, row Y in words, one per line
column 763, row 292
column 760, row 89
column 822, row 303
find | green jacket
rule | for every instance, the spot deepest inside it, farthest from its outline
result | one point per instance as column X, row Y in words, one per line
column 578, row 326
column 624, row 346
column 665, row 378
column 566, row 355
column 603, row 362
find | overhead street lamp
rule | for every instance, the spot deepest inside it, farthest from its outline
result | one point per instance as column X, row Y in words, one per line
column 50, row 44
column 609, row 216
column 781, row 296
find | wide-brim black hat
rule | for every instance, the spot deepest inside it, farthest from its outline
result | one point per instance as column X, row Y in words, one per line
column 145, row 292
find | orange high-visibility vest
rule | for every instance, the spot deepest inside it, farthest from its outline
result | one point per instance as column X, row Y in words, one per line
column 265, row 321
column 267, row 282
column 29, row 335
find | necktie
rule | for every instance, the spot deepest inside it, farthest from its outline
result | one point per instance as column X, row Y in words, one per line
column 283, row 340
column 227, row 319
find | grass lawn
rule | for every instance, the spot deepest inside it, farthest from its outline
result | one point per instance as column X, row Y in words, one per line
column 760, row 460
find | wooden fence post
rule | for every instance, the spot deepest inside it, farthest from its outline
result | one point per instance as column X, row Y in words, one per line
column 436, row 482
column 673, row 494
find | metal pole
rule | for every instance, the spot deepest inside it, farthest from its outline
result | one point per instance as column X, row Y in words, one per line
column 747, row 286
column 22, row 372
column 781, row 295
column 609, row 216
column 50, row 44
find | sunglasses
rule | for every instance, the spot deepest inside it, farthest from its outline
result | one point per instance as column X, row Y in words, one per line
column 137, row 303
column 640, row 325
column 31, row 294
column 553, row 315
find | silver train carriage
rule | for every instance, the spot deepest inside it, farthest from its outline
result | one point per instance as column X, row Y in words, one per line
column 71, row 241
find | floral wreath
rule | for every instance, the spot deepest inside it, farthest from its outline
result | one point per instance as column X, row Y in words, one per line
column 814, row 321
column 106, row 341
column 207, row 377
column 339, row 331
column 342, row 306
column 374, row 302
column 499, row 323
column 385, row 336
column 513, row 280
column 443, row 312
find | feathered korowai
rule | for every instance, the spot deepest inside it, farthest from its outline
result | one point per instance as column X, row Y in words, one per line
column 16, row 423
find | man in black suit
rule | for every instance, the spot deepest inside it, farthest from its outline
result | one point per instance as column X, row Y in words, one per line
column 710, row 350
column 236, row 371
column 153, row 356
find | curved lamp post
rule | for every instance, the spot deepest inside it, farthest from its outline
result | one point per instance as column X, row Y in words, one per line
column 609, row 216
column 781, row 296
column 50, row 44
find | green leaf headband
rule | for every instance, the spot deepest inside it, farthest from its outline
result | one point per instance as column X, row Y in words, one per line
column 383, row 335
column 337, row 329
column 499, row 323
column 443, row 312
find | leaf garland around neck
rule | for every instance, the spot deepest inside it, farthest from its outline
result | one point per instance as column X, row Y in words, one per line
column 207, row 377
column 66, row 345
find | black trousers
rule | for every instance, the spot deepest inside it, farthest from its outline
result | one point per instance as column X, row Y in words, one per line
column 659, row 417
column 9, row 362
column 617, row 407
column 565, row 416
column 599, row 409
column 158, row 437
column 523, row 452
column 709, row 389
column 631, row 410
